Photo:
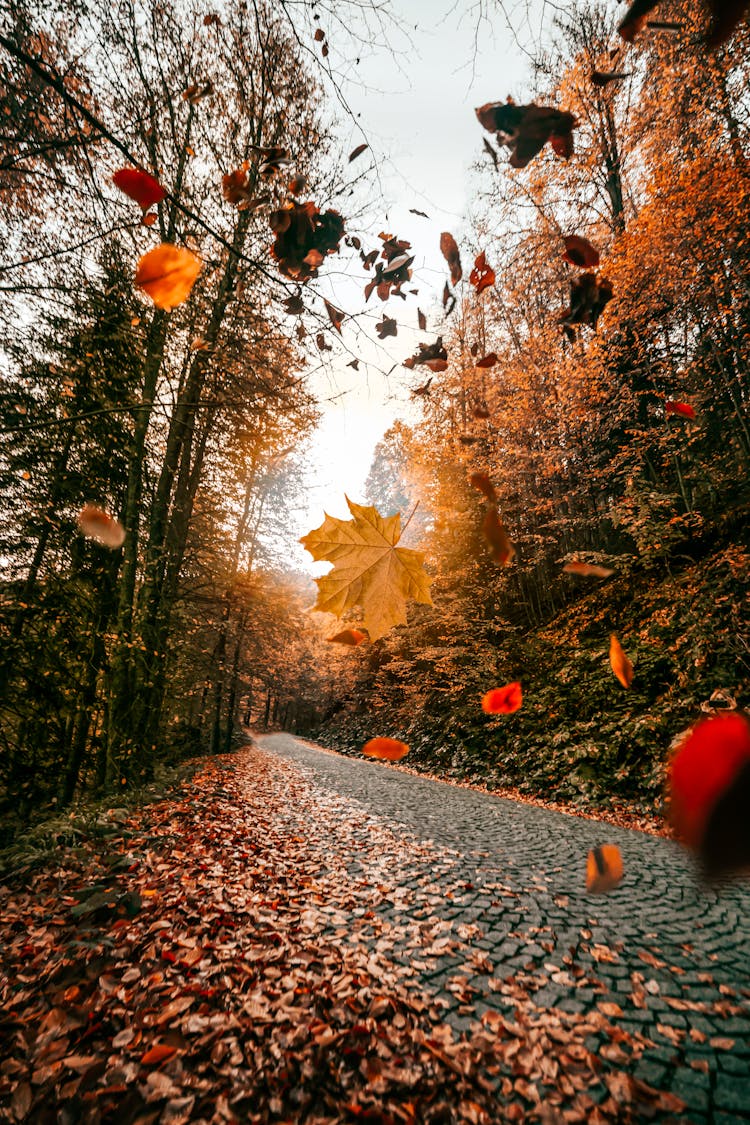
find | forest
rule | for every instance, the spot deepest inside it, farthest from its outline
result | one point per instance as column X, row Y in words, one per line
column 572, row 467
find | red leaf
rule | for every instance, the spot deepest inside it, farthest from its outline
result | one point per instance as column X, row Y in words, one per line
column 579, row 252
column 141, row 187
column 158, row 1054
column 682, row 408
column 387, row 749
column 483, row 275
column 449, row 250
column 503, row 701
column 706, row 762
column 487, row 361
column 436, row 365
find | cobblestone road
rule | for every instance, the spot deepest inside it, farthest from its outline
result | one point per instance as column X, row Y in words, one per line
column 672, row 955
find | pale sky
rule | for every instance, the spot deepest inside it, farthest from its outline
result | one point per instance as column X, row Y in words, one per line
column 417, row 112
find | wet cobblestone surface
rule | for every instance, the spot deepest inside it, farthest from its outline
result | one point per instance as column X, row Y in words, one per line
column 663, row 954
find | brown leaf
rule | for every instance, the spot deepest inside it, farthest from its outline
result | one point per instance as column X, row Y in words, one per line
column 525, row 129
column 487, row 361
column 483, row 484
column 579, row 252
column 482, row 276
column 449, row 250
column 336, row 316
column 387, row 327
column 501, row 549
column 357, row 152
column 421, row 321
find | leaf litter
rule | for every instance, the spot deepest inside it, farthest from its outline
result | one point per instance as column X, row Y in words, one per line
column 266, row 972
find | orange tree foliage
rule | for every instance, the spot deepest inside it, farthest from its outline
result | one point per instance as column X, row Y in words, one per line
column 573, row 431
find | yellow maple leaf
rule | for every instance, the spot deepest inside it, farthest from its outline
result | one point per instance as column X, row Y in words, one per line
column 368, row 568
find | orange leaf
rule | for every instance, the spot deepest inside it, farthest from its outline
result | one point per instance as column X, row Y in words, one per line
column 604, row 869
column 141, row 187
column 579, row 252
column 158, row 1054
column 387, row 749
column 483, row 275
column 503, row 551
column 621, row 666
column 449, row 250
column 97, row 524
column 168, row 273
column 587, row 570
column 503, row 701
column 348, row 637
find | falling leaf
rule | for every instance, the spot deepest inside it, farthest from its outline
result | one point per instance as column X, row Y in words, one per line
column 709, row 789
column 357, row 151
column 483, row 275
column 683, row 409
column 353, row 363
column 429, row 355
column 348, row 637
column 589, row 295
column 294, row 305
column 725, row 17
column 387, row 327
column 297, row 184
column 579, row 252
column 212, row 20
column 634, row 19
column 503, row 700
column 487, row 361
column 482, row 482
column 196, row 93
column 319, row 35
column 387, row 749
column 421, row 321
column 587, row 570
column 304, row 237
column 604, row 869
column 449, row 250
column 158, row 1054
column 422, row 214
column 449, row 300
column 368, row 568
column 168, row 273
column 97, row 524
column 501, row 549
column 424, row 390
column 149, row 219
column 602, row 78
column 141, row 187
column 621, row 666
column 525, row 129
column 320, row 340
column 481, row 412
column 336, row 316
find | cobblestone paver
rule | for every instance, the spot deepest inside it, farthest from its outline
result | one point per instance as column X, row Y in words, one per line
column 663, row 954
